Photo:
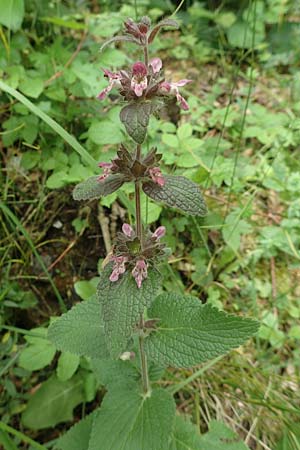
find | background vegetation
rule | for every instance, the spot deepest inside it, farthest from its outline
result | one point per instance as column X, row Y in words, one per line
column 240, row 141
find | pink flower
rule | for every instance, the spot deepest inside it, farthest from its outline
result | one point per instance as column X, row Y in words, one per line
column 127, row 230
column 139, row 80
column 114, row 80
column 118, row 267
column 172, row 89
column 159, row 233
column 156, row 175
column 156, row 64
column 106, row 170
column 139, row 272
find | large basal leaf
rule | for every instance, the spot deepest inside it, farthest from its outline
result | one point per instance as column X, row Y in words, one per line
column 128, row 420
column 53, row 403
column 77, row 437
column 122, row 305
column 80, row 330
column 177, row 192
column 190, row 333
column 136, row 117
column 220, row 437
column 93, row 188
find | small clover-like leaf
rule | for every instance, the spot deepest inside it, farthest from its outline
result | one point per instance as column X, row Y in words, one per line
column 128, row 420
column 177, row 192
column 122, row 305
column 93, row 188
column 191, row 333
column 136, row 117
column 80, row 330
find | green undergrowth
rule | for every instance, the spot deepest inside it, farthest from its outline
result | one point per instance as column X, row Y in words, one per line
column 240, row 141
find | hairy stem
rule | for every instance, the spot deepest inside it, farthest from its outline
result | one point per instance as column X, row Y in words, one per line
column 139, row 231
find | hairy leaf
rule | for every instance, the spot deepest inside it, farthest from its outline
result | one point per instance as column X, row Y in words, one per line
column 119, row 39
column 93, row 188
column 128, row 420
column 122, row 304
column 78, row 436
column 136, row 117
column 53, row 403
column 185, row 436
column 80, row 330
column 220, row 437
column 164, row 23
column 177, row 192
column 190, row 333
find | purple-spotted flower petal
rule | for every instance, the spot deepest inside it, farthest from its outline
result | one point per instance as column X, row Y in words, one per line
column 118, row 267
column 139, row 272
column 172, row 89
column 113, row 80
column 156, row 64
column 159, row 232
column 156, row 175
column 106, row 170
column 139, row 80
column 127, row 229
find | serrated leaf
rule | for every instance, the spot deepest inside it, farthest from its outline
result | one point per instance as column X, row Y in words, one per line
column 53, row 403
column 185, row 436
column 93, row 188
column 191, row 333
column 122, row 304
column 220, row 437
column 111, row 372
column 80, row 330
column 128, row 420
column 136, row 117
column 177, row 192
column 77, row 437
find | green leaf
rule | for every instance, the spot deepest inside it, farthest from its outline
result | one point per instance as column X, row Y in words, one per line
column 67, row 365
column 53, row 403
column 77, row 437
column 12, row 13
column 177, row 192
column 110, row 372
column 86, row 288
column 136, row 117
column 220, row 437
column 38, row 353
column 80, row 330
column 128, row 420
column 105, row 132
column 33, row 87
column 191, row 333
column 185, row 436
column 122, row 304
column 93, row 188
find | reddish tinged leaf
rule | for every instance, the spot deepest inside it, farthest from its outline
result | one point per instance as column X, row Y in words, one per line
column 136, row 117
column 93, row 188
column 164, row 23
column 177, row 192
column 119, row 39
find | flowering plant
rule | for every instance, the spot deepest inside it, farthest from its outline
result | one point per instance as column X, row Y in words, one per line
column 132, row 328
